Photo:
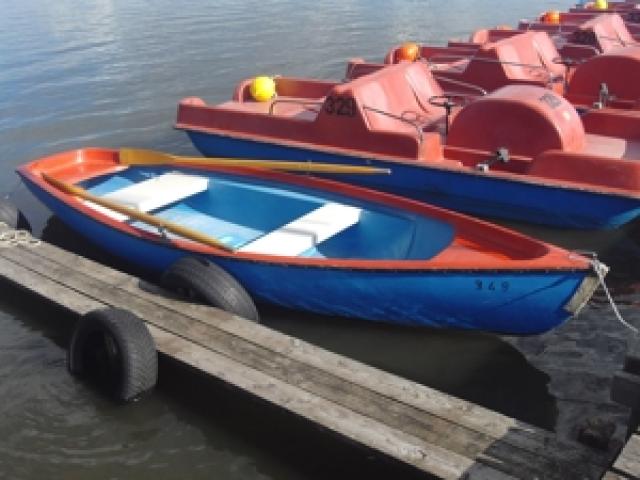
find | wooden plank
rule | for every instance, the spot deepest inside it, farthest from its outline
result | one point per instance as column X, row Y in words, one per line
column 628, row 463
column 359, row 428
column 464, row 444
column 614, row 476
column 476, row 417
column 255, row 356
column 46, row 288
column 395, row 443
column 500, row 449
column 443, row 406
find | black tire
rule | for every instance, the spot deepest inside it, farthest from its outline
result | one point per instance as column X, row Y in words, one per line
column 13, row 217
column 200, row 279
column 113, row 350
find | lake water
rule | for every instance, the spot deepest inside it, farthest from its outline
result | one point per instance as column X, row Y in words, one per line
column 110, row 73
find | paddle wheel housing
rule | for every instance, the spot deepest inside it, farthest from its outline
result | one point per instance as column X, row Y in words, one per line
column 618, row 69
column 526, row 120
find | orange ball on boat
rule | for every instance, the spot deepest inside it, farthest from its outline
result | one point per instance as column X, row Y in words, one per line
column 552, row 16
column 409, row 51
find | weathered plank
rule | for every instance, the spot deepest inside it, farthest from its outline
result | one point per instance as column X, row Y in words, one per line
column 614, row 476
column 427, row 416
column 628, row 463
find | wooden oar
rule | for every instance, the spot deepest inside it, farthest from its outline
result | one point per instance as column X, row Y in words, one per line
column 134, row 156
column 137, row 214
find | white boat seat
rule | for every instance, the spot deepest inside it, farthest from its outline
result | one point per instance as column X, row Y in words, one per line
column 305, row 232
column 154, row 193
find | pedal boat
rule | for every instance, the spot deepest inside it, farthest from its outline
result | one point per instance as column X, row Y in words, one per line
column 520, row 153
column 597, row 64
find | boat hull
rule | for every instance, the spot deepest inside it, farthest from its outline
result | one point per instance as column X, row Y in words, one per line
column 503, row 301
column 462, row 190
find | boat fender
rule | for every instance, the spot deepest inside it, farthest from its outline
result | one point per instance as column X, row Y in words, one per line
column 112, row 349
column 198, row 278
column 12, row 217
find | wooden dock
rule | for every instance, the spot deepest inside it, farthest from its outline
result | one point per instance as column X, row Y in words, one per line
column 627, row 465
column 626, row 391
column 410, row 423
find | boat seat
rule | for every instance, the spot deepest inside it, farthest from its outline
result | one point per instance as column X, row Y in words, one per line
column 396, row 98
column 154, row 193
column 291, row 107
column 526, row 57
column 614, row 147
column 606, row 32
column 306, row 232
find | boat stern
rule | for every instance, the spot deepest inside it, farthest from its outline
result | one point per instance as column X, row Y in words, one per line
column 587, row 288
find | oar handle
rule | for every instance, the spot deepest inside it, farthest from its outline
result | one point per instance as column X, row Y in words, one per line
column 137, row 214
column 283, row 165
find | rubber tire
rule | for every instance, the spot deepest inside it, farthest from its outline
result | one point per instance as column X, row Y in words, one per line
column 13, row 217
column 113, row 349
column 206, row 281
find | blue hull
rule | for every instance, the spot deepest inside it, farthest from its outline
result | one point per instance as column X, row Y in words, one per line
column 456, row 190
column 508, row 302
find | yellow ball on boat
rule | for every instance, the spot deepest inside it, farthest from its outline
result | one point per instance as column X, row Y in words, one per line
column 263, row 88
column 601, row 4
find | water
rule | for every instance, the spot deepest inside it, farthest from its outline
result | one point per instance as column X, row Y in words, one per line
column 110, row 73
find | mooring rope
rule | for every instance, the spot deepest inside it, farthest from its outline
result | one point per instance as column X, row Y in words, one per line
column 597, row 268
column 595, row 264
column 13, row 238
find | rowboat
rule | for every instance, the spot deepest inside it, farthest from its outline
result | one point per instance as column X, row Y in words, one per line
column 315, row 244
column 520, row 153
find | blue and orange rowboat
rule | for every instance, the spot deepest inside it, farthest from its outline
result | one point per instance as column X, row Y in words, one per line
column 319, row 245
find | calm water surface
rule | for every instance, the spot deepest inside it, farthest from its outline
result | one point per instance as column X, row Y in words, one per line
column 109, row 73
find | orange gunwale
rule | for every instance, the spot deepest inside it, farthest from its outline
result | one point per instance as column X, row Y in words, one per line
column 477, row 245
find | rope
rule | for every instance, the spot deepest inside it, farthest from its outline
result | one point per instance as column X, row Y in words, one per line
column 14, row 238
column 596, row 267
column 599, row 271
